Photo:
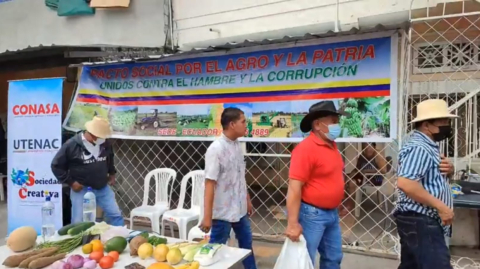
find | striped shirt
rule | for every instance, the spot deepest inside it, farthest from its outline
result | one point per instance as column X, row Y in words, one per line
column 419, row 160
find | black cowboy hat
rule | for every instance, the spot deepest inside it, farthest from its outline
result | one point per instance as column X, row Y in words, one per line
column 319, row 110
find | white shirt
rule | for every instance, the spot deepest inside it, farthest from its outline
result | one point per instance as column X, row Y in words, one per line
column 94, row 149
column 224, row 163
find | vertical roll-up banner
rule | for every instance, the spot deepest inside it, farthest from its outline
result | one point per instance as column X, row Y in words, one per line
column 34, row 137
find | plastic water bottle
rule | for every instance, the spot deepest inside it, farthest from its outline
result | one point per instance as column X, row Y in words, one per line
column 89, row 206
column 48, row 219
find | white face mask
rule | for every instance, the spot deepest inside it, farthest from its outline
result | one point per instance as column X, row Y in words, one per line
column 100, row 141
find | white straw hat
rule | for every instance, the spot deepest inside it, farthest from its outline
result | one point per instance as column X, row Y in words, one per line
column 432, row 109
column 99, row 127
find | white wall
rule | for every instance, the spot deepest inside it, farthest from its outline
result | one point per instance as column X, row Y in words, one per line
column 235, row 21
column 26, row 23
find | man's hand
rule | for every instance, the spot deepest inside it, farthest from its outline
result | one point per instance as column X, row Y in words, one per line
column 249, row 208
column 111, row 180
column 446, row 214
column 76, row 187
column 446, row 167
column 206, row 225
column 294, row 230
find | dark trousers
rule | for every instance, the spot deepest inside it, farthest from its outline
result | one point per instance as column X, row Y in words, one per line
column 220, row 234
column 422, row 242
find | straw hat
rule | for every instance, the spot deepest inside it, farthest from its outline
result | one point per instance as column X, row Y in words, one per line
column 99, row 127
column 432, row 109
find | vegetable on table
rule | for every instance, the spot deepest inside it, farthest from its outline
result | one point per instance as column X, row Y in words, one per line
column 61, row 265
column 47, row 253
column 91, row 264
column 96, row 255
column 45, row 261
column 82, row 227
column 115, row 255
column 76, row 261
column 22, row 238
column 155, row 240
column 64, row 229
column 106, row 262
column 65, row 245
column 15, row 260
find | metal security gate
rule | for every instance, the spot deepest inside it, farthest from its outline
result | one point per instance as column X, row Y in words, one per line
column 441, row 60
column 364, row 227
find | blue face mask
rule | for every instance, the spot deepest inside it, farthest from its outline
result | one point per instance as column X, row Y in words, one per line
column 334, row 131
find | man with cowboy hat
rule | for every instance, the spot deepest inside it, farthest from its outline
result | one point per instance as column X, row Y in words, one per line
column 86, row 160
column 316, row 186
column 424, row 210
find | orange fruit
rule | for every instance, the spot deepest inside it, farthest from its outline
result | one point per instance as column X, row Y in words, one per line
column 97, row 245
column 106, row 262
column 96, row 255
column 115, row 255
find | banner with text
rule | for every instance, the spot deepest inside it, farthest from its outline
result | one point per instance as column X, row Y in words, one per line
column 184, row 99
column 34, row 137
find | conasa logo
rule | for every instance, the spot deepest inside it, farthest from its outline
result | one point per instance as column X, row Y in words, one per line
column 35, row 109
column 25, row 179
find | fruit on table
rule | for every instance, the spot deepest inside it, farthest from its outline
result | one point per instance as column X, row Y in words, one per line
column 97, row 245
column 145, row 251
column 87, row 248
column 192, row 265
column 195, row 265
column 22, row 239
column 117, row 243
column 96, row 255
column 115, row 255
column 106, row 262
column 174, row 256
column 80, row 228
column 160, row 265
column 135, row 243
column 160, row 253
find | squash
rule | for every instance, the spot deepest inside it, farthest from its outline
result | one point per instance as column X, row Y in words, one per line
column 22, row 238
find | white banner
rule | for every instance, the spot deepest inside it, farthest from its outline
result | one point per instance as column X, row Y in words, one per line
column 34, row 137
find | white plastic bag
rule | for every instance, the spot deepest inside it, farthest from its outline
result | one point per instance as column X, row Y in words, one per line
column 114, row 231
column 294, row 255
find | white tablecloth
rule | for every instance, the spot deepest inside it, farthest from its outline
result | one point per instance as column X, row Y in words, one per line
column 230, row 257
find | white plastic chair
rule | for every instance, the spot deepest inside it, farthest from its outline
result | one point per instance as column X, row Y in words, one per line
column 163, row 179
column 180, row 215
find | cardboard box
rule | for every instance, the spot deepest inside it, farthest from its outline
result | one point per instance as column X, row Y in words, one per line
column 109, row 3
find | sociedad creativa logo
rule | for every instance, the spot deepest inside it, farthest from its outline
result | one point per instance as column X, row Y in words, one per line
column 26, row 178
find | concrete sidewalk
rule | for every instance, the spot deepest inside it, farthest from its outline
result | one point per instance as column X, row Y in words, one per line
column 266, row 255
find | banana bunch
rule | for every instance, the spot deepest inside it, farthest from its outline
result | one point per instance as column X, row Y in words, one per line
column 191, row 265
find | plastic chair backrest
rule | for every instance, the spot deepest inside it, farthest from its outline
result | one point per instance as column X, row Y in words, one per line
column 163, row 177
column 198, row 179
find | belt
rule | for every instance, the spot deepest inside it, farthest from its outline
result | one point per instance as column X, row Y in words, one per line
column 316, row 206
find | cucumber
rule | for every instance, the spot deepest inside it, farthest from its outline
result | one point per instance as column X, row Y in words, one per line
column 64, row 229
column 80, row 228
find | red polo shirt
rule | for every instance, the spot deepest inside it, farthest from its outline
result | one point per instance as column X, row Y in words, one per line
column 320, row 166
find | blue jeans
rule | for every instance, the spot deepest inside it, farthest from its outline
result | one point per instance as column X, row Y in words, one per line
column 105, row 200
column 321, row 229
column 220, row 234
column 422, row 242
